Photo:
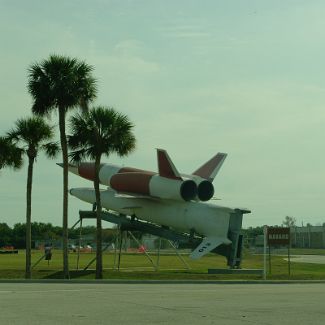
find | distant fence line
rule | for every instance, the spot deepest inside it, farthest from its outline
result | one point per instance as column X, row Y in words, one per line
column 308, row 237
column 301, row 237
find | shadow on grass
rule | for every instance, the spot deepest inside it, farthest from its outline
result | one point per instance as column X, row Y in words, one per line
column 73, row 274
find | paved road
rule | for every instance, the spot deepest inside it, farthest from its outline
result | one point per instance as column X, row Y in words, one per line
column 223, row 304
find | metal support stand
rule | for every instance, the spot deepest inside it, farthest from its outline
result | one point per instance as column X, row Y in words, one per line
column 179, row 255
column 289, row 269
column 94, row 259
column 120, row 249
column 39, row 260
column 75, row 224
column 79, row 244
column 158, row 254
column 150, row 259
column 264, row 252
column 115, row 246
column 125, row 241
column 270, row 266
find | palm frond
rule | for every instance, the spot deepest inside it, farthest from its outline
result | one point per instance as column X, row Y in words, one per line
column 10, row 154
column 60, row 82
column 101, row 131
column 51, row 149
column 31, row 131
column 31, row 135
column 78, row 155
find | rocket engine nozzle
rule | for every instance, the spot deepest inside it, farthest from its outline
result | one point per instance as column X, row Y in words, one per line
column 188, row 190
column 205, row 191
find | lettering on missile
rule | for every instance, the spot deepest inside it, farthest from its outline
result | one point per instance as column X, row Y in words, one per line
column 203, row 248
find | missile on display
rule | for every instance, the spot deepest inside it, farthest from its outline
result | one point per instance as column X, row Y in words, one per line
column 168, row 183
column 166, row 198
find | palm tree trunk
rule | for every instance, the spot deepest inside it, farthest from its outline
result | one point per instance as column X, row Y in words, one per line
column 64, row 148
column 99, row 254
column 28, row 271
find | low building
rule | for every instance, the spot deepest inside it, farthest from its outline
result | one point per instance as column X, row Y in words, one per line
column 308, row 236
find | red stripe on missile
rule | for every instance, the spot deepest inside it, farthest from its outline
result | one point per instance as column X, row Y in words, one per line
column 132, row 182
column 87, row 170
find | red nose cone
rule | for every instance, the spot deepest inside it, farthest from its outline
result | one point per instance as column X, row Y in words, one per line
column 87, row 170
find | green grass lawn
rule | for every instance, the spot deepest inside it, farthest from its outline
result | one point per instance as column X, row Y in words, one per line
column 138, row 266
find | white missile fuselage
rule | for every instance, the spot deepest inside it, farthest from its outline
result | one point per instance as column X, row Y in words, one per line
column 203, row 218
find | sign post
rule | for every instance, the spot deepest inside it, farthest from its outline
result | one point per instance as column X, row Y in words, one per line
column 289, row 256
column 264, row 256
column 278, row 236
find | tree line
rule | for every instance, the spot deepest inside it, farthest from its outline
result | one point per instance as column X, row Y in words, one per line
column 62, row 84
column 16, row 236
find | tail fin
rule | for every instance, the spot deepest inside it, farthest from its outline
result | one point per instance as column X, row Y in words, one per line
column 166, row 167
column 210, row 169
column 207, row 245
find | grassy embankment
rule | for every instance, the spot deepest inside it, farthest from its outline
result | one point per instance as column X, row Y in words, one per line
column 137, row 266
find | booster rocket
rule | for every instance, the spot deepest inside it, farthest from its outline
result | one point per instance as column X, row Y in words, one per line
column 168, row 183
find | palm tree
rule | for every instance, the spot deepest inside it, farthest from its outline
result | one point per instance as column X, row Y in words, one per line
column 60, row 84
column 32, row 135
column 101, row 131
column 10, row 155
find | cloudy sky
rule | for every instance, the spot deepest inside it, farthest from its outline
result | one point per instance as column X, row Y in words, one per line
column 195, row 77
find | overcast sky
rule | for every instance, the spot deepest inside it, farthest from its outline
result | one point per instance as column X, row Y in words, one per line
column 195, row 77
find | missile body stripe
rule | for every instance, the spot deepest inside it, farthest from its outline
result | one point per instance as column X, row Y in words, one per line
column 133, row 182
column 87, row 170
column 138, row 181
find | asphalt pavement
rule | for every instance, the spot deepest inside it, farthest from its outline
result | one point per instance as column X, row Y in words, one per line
column 225, row 304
